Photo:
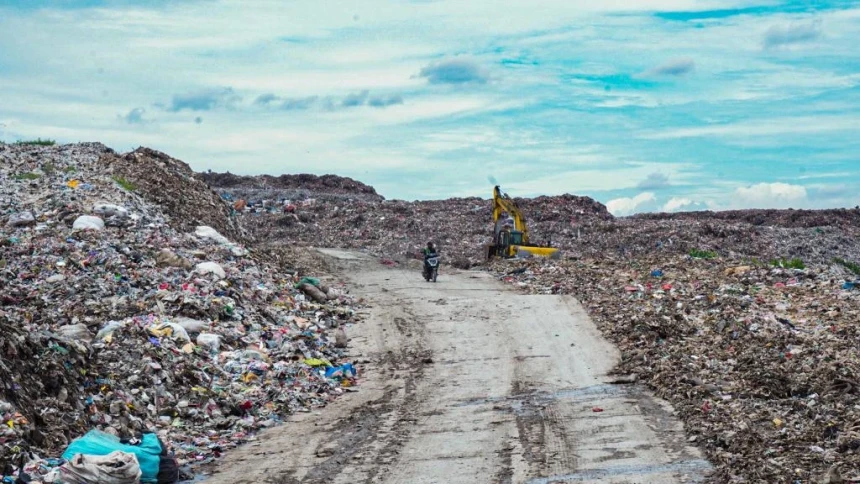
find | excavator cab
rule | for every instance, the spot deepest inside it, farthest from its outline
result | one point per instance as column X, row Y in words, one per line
column 516, row 238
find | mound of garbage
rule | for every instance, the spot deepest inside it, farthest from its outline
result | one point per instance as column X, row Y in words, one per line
column 129, row 306
column 298, row 185
column 398, row 229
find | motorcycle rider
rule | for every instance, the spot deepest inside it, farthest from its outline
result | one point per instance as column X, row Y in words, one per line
column 429, row 252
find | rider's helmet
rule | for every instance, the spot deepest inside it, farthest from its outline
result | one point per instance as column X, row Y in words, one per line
column 430, row 245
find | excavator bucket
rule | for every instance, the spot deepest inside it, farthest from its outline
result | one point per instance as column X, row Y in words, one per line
column 525, row 251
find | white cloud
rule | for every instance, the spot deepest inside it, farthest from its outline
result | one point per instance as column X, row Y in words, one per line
column 765, row 127
column 770, row 195
column 644, row 202
column 676, row 204
column 681, row 204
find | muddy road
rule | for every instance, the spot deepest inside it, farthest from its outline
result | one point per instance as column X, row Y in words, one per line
column 467, row 382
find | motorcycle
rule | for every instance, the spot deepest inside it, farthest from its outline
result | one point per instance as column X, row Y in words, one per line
column 431, row 268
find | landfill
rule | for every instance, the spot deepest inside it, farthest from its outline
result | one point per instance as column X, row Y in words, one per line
column 745, row 321
column 137, row 296
column 131, row 302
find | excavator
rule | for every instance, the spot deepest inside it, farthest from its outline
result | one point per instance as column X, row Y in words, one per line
column 510, row 233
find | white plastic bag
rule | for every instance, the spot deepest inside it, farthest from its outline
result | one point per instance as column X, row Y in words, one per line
column 206, row 232
column 88, row 222
column 110, row 210
column 205, row 268
column 114, row 468
column 210, row 341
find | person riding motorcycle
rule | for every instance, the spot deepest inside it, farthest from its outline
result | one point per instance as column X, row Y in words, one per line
column 429, row 252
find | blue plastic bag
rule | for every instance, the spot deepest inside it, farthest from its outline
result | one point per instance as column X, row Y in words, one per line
column 96, row 442
column 343, row 371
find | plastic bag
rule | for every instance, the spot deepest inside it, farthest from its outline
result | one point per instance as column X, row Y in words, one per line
column 344, row 371
column 110, row 210
column 88, row 222
column 192, row 326
column 210, row 341
column 77, row 332
column 205, row 268
column 309, row 280
column 206, row 232
column 21, row 219
column 108, row 330
column 114, row 468
column 96, row 442
column 171, row 330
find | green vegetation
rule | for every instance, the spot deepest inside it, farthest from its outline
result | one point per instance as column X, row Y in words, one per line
column 125, row 184
column 703, row 254
column 26, row 176
column 851, row 266
column 37, row 142
column 49, row 168
column 70, row 169
column 788, row 263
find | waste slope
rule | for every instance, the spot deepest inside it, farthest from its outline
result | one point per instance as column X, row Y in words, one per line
column 140, row 320
column 173, row 186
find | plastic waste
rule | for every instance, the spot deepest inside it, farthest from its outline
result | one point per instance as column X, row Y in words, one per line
column 114, row 468
column 21, row 219
column 98, row 443
column 88, row 222
column 110, row 210
column 211, row 342
column 206, row 268
column 206, row 232
column 345, row 370
column 107, row 331
column 168, row 329
column 78, row 332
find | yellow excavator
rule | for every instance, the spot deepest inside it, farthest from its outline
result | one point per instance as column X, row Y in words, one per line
column 510, row 233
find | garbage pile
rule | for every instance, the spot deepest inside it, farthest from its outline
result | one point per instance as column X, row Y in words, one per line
column 173, row 186
column 121, row 315
column 761, row 362
column 298, row 185
column 461, row 228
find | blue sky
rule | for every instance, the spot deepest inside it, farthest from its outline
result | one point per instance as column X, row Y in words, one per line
column 644, row 105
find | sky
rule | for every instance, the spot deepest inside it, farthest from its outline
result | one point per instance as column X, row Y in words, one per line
column 644, row 105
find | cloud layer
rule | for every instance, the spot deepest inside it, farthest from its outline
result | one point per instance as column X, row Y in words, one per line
column 647, row 105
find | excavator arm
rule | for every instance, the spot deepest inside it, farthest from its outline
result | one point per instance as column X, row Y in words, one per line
column 503, row 203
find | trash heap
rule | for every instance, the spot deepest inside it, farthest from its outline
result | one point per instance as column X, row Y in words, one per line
column 461, row 228
column 761, row 362
column 122, row 315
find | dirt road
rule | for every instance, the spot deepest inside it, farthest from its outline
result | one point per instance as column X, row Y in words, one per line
column 466, row 381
